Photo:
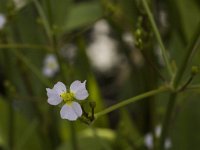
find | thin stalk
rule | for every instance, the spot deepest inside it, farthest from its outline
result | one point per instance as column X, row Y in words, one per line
column 131, row 100
column 25, row 46
column 172, row 101
column 167, row 119
column 184, row 86
column 9, row 96
column 193, row 87
column 47, row 27
column 73, row 136
column 158, row 37
column 194, row 44
column 11, row 131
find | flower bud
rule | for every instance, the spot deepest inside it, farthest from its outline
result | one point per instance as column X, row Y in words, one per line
column 195, row 70
column 92, row 104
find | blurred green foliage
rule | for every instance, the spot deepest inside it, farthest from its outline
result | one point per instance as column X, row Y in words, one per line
column 35, row 28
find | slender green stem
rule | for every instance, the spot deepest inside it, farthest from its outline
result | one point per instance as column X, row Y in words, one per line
column 42, row 14
column 24, row 46
column 172, row 101
column 73, row 136
column 11, row 131
column 131, row 100
column 194, row 44
column 167, row 119
column 193, row 87
column 158, row 37
column 184, row 86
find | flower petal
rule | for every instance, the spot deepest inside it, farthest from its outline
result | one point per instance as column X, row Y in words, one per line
column 60, row 88
column 79, row 90
column 53, row 97
column 67, row 112
column 168, row 143
column 148, row 140
column 77, row 108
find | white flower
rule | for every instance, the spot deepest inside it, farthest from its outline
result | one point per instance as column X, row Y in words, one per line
column 71, row 110
column 127, row 37
column 158, row 130
column 2, row 21
column 51, row 66
column 148, row 140
column 101, row 27
column 168, row 143
column 102, row 51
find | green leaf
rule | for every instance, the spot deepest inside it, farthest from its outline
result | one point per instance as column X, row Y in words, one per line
column 189, row 11
column 83, row 14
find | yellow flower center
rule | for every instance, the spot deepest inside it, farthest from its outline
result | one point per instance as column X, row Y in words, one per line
column 67, row 97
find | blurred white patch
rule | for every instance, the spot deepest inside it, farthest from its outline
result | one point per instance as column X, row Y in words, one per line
column 168, row 143
column 127, row 37
column 158, row 130
column 101, row 27
column 163, row 19
column 148, row 140
column 2, row 21
column 102, row 52
column 20, row 3
column 69, row 52
column 51, row 66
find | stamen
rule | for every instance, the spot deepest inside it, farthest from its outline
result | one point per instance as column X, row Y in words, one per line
column 67, row 97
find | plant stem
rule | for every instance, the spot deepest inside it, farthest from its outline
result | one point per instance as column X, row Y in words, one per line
column 193, row 87
column 131, row 100
column 11, row 131
column 158, row 37
column 194, row 44
column 24, row 46
column 42, row 14
column 167, row 119
column 186, row 84
column 73, row 136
